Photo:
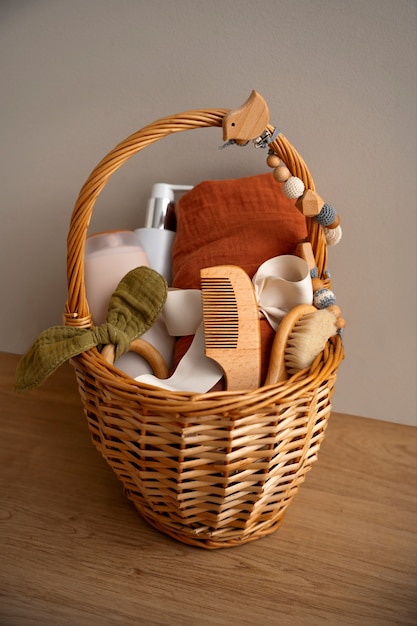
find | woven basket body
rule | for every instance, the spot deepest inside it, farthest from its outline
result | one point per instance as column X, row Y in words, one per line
column 211, row 470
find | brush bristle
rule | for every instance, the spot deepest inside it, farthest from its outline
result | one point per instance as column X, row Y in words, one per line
column 308, row 338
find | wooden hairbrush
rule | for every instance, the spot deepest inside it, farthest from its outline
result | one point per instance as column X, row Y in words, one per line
column 301, row 336
column 231, row 325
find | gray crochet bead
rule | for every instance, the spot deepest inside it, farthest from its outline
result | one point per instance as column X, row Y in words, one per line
column 322, row 298
column 326, row 216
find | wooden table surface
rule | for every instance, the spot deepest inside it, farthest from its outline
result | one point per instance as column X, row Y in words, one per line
column 74, row 551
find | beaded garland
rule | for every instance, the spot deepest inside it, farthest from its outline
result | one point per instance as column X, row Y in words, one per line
column 294, row 188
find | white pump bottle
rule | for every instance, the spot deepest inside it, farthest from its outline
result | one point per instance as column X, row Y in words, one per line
column 156, row 238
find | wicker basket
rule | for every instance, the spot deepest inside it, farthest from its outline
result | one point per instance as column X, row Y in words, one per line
column 211, row 470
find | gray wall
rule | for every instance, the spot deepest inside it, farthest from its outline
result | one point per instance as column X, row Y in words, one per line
column 78, row 76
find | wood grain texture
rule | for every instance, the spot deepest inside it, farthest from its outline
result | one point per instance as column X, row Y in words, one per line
column 74, row 551
column 232, row 332
column 248, row 121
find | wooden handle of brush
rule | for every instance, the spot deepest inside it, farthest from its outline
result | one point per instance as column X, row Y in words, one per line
column 277, row 371
column 144, row 349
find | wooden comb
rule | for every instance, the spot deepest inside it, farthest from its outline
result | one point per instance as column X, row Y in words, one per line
column 231, row 325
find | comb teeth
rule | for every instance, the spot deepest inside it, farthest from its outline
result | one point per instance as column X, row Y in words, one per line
column 221, row 320
column 231, row 324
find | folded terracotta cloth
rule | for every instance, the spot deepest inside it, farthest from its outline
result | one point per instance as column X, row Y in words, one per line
column 244, row 222
column 133, row 309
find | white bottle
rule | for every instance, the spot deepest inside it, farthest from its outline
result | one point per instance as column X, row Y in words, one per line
column 156, row 238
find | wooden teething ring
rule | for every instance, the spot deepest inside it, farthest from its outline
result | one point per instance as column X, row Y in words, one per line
column 144, row 349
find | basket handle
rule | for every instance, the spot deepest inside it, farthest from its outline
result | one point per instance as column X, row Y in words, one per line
column 76, row 311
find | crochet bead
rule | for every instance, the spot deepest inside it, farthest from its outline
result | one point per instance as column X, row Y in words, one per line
column 326, row 216
column 281, row 174
column 273, row 160
column 333, row 235
column 323, row 298
column 293, row 187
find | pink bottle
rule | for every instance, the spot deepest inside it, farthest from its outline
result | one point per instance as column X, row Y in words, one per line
column 109, row 256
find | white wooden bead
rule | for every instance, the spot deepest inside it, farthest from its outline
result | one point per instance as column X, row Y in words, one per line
column 293, row 187
column 281, row 173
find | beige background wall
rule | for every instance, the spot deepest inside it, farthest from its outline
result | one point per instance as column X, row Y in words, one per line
column 78, row 76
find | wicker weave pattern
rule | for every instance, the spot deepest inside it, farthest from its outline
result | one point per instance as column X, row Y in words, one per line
column 212, row 470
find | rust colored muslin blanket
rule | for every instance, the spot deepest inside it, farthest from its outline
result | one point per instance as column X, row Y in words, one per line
column 132, row 310
column 243, row 222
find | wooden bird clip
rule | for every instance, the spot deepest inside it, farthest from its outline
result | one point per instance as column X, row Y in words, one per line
column 248, row 122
